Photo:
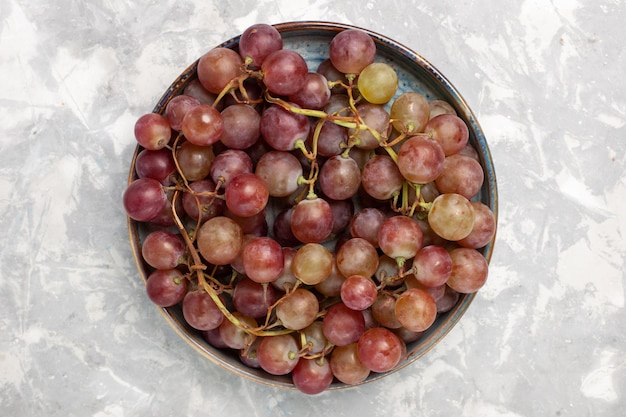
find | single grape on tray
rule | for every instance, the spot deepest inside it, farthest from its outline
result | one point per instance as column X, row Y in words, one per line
column 308, row 220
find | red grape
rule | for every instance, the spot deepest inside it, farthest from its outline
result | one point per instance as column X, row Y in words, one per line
column 153, row 131
column 252, row 298
column 246, row 195
column 228, row 164
column 234, row 335
column 406, row 335
column 380, row 349
column 237, row 263
column 484, row 228
column 144, row 199
column 281, row 129
column 217, row 67
column 383, row 311
column 366, row 224
column 343, row 211
column 352, row 50
column 314, row 339
column 252, row 225
column 258, row 41
column 342, row 325
column 278, row 355
column 200, row 311
column 201, row 203
column 220, row 240
column 284, row 72
column 312, row 220
column 203, row 125
column 469, row 270
column 166, row 217
column 433, row 266
column 333, row 75
column 297, row 309
column 438, row 107
column 416, row 310
column 282, row 228
column 346, row 365
column 331, row 286
column 177, row 108
column 163, row 249
column 314, row 94
column 376, row 118
column 448, row 300
column 213, row 338
column 196, row 90
column 461, row 174
column 331, row 139
column 249, row 354
column 286, row 280
column 470, row 151
column 340, row 177
column 195, row 160
column 158, row 165
column 381, row 177
column 358, row 292
column 450, row 131
column 281, row 171
column 241, row 126
column 166, row 287
column 400, row 237
column 357, row 257
column 263, row 259
column 312, row 376
column 436, row 292
column 420, row 160
column 388, row 271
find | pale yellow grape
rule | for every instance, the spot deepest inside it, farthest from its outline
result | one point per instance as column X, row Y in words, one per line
column 378, row 83
column 451, row 216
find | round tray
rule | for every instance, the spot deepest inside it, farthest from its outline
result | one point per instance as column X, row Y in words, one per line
column 311, row 40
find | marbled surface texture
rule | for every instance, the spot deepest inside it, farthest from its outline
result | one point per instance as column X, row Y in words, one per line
column 545, row 335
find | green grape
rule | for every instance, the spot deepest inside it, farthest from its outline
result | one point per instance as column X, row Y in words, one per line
column 451, row 216
column 378, row 83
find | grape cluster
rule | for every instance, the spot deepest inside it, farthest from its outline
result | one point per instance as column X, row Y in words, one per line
column 314, row 222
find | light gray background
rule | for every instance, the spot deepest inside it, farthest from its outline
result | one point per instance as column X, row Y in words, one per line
column 544, row 337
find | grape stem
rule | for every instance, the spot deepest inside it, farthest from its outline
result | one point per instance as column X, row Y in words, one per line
column 313, row 175
column 236, row 83
column 198, row 267
column 307, row 346
column 350, row 122
column 418, row 203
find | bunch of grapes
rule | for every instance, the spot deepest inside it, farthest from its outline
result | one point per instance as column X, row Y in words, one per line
column 313, row 222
